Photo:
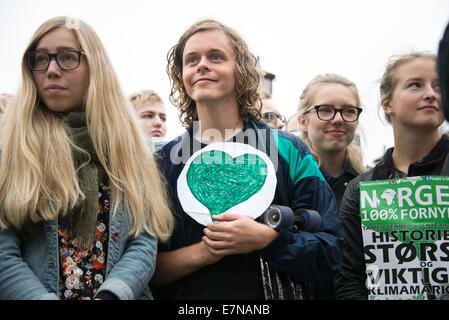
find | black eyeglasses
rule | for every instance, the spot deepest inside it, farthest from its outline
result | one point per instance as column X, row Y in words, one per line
column 327, row 112
column 66, row 59
column 272, row 117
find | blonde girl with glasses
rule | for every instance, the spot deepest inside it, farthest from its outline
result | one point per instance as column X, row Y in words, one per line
column 328, row 113
column 82, row 203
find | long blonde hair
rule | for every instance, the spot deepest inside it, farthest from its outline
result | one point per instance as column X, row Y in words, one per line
column 5, row 99
column 38, row 178
column 353, row 150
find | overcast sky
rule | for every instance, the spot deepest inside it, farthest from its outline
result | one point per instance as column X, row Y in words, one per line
column 295, row 40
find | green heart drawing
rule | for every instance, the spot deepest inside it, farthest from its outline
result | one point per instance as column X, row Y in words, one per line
column 220, row 182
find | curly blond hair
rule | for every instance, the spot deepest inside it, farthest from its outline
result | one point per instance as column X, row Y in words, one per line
column 248, row 75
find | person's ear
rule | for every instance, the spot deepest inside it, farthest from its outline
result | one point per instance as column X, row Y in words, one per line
column 386, row 105
column 303, row 122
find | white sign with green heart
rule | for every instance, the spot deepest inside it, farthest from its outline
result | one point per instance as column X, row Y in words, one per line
column 226, row 177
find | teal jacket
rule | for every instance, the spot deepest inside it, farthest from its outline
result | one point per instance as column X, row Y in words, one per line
column 304, row 256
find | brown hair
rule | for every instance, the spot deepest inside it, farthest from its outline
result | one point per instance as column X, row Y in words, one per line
column 248, row 76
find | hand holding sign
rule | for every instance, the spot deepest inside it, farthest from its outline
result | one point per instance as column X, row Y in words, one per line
column 237, row 234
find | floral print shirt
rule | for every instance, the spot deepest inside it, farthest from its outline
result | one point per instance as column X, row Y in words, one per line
column 82, row 271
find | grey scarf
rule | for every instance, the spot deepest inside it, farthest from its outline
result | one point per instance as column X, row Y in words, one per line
column 82, row 219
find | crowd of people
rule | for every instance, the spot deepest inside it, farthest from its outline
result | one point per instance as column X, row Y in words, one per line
column 96, row 204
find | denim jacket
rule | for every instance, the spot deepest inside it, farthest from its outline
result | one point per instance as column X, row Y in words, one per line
column 29, row 269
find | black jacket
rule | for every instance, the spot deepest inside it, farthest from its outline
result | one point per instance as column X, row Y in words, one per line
column 339, row 184
column 304, row 256
column 325, row 290
column 443, row 70
column 351, row 279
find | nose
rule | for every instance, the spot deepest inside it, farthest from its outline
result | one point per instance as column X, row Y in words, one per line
column 203, row 64
column 157, row 121
column 430, row 93
column 53, row 68
column 337, row 118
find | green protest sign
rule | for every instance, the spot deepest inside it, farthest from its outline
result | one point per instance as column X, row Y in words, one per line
column 405, row 228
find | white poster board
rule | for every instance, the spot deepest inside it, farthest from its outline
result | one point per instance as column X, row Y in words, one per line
column 226, row 177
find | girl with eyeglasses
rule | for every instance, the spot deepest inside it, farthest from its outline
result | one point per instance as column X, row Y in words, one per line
column 329, row 110
column 82, row 203
column 411, row 100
